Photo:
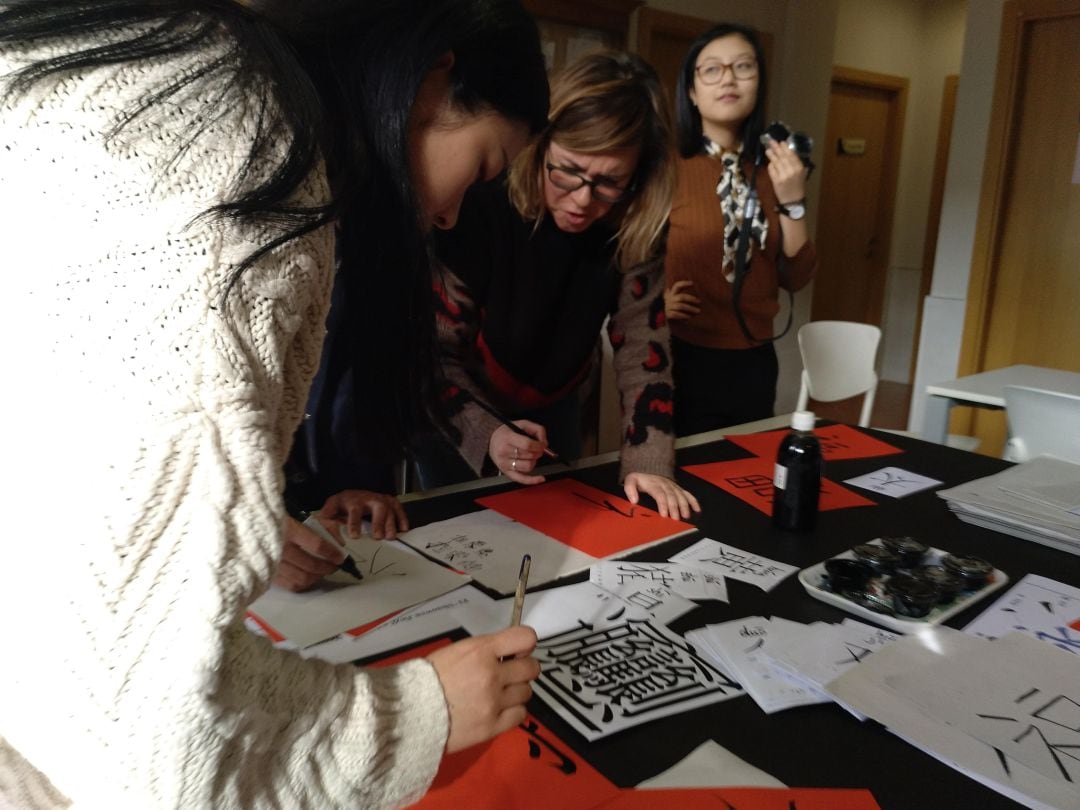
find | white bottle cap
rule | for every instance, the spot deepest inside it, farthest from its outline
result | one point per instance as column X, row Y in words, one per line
column 802, row 420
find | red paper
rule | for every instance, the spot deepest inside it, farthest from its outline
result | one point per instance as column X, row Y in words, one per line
column 527, row 768
column 838, row 443
column 271, row 633
column 583, row 517
column 744, row 799
column 751, row 480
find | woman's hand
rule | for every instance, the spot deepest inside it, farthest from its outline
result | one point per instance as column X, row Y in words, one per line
column 306, row 558
column 486, row 683
column 515, row 455
column 351, row 505
column 787, row 173
column 680, row 305
column 671, row 500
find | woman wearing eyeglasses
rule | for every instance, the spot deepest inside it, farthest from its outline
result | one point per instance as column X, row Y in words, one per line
column 532, row 277
column 724, row 376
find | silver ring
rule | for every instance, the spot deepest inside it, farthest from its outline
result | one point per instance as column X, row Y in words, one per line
column 513, row 465
column 515, row 452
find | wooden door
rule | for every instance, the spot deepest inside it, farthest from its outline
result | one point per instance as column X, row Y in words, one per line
column 663, row 38
column 861, row 158
column 1025, row 279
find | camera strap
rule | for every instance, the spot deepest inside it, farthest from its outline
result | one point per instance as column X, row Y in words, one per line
column 742, row 267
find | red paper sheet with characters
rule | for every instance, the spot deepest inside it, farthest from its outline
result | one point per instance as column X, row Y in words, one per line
column 585, row 518
column 751, row 480
column 838, row 443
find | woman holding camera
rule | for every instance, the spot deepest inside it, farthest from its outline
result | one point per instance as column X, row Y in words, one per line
column 724, row 366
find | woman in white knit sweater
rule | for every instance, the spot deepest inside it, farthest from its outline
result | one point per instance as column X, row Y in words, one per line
column 169, row 176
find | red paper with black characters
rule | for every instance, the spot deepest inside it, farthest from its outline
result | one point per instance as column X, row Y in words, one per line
column 751, row 480
column 585, row 518
column 838, row 443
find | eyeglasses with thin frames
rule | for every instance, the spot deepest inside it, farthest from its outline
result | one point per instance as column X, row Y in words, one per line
column 713, row 72
column 569, row 180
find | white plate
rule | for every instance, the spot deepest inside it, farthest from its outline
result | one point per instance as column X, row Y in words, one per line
column 811, row 579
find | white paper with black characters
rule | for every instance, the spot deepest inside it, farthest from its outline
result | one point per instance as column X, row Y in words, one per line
column 863, row 690
column 742, row 647
column 603, row 679
column 1037, row 606
column 721, row 558
column 826, row 651
column 1016, row 694
column 894, row 482
column 626, row 578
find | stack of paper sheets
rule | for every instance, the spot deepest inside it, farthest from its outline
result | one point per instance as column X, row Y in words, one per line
column 781, row 663
column 1005, row 712
column 1038, row 500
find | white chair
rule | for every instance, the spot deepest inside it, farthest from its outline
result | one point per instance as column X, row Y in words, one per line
column 1041, row 422
column 838, row 363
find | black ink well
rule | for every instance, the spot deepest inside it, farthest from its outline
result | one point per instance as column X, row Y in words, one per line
column 797, row 479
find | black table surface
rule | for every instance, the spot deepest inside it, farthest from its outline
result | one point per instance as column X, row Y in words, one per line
column 809, row 746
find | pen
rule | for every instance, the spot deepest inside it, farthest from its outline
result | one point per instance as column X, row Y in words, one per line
column 506, row 421
column 349, row 564
column 519, row 594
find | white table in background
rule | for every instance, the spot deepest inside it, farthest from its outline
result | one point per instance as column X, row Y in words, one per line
column 987, row 390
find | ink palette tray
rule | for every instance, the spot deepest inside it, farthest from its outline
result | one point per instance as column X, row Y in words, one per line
column 901, row 583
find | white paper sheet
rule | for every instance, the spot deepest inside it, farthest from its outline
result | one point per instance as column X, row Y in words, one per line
column 690, row 582
column 1037, row 606
column 742, row 648
column 894, row 482
column 1024, row 701
column 394, row 578
column 721, row 558
column 711, row 765
column 825, row 651
column 602, row 680
column 432, row 618
column 488, row 546
column 556, row 610
column 863, row 690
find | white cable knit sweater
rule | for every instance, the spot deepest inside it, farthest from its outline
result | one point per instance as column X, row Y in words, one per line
column 146, row 428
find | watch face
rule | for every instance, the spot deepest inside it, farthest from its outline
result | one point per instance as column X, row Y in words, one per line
column 795, row 210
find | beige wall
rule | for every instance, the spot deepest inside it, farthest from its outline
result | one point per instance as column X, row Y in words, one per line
column 943, row 310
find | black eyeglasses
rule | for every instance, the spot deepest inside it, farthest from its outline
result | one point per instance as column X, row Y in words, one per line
column 603, row 190
column 713, row 72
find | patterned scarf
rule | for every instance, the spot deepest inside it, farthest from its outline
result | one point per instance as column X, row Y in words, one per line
column 732, row 191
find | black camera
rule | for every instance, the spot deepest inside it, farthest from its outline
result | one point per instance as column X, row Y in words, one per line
column 798, row 142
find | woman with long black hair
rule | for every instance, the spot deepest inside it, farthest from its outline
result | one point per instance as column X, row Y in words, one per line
column 723, row 361
column 170, row 176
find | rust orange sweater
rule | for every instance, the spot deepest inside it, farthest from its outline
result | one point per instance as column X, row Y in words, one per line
column 695, row 251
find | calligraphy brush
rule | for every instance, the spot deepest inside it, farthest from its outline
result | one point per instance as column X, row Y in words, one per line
column 506, row 421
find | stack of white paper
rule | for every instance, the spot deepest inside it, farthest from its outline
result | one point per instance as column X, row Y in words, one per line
column 1005, row 712
column 1038, row 500
column 740, row 648
column 781, row 663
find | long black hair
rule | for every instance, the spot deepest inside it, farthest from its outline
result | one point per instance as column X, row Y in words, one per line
column 689, row 134
column 342, row 76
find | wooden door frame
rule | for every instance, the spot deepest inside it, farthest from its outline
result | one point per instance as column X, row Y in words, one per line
column 997, row 168
column 946, row 117
column 607, row 15
column 897, row 88
column 652, row 21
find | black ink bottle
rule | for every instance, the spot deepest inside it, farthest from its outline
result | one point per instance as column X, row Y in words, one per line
column 797, row 479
